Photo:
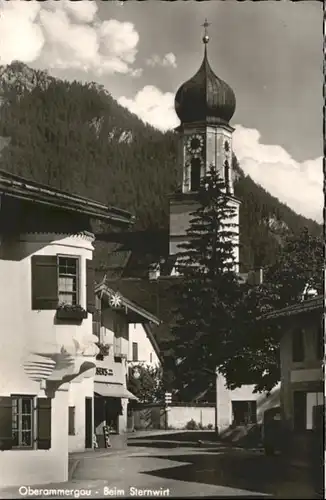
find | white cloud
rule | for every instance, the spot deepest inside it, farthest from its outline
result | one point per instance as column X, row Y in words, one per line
column 80, row 11
column 153, row 107
column 21, row 37
column 66, row 35
column 167, row 60
column 299, row 185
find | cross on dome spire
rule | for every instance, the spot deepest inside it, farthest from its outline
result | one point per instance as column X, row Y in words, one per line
column 205, row 26
column 205, row 97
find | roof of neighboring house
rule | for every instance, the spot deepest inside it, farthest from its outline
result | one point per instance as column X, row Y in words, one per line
column 308, row 305
column 154, row 296
column 157, row 296
column 18, row 187
column 110, row 259
column 118, row 299
column 131, row 253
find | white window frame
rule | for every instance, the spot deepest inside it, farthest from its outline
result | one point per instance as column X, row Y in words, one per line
column 33, row 414
column 78, row 268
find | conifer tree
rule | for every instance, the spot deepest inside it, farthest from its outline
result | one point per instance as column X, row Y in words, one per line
column 208, row 290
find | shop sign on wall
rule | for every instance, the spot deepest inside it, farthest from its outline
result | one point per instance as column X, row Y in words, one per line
column 104, row 371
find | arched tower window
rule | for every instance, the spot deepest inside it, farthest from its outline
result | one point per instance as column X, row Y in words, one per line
column 195, row 174
column 227, row 174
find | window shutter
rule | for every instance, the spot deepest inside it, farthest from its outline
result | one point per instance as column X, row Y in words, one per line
column 5, row 423
column 90, row 286
column 44, row 282
column 117, row 346
column 44, row 423
column 135, row 351
column 71, row 420
column 97, row 319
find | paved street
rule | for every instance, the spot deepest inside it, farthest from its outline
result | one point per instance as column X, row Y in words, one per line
column 174, row 467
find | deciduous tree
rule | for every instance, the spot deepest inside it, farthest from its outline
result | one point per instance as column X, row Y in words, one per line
column 255, row 344
column 148, row 387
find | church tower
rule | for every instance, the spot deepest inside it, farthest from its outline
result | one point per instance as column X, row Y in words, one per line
column 205, row 105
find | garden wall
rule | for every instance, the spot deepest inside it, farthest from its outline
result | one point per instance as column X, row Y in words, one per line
column 176, row 416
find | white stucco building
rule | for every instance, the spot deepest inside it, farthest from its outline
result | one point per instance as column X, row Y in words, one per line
column 116, row 315
column 302, row 376
column 47, row 355
column 143, row 348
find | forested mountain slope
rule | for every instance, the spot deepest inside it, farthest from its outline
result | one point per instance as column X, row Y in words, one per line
column 76, row 137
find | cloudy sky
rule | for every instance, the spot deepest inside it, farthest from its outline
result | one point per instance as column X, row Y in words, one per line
column 269, row 52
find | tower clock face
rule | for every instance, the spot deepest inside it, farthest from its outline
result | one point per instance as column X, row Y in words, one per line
column 195, row 144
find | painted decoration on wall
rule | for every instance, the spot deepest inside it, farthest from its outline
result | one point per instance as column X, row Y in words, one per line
column 115, row 300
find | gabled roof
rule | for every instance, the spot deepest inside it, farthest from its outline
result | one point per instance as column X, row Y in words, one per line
column 309, row 305
column 17, row 187
column 156, row 297
column 103, row 289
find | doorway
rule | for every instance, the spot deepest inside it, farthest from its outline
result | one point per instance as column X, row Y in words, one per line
column 244, row 412
column 88, row 423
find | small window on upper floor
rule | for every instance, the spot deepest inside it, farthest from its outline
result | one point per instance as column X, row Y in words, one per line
column 135, row 351
column 151, row 357
column 298, row 353
column 68, row 280
column 56, row 279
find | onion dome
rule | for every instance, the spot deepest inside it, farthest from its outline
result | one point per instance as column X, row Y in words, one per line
column 205, row 97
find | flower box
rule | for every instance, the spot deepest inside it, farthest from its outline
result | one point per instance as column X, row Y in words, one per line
column 69, row 312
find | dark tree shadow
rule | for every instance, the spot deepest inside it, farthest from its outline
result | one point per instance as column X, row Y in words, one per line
column 252, row 472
